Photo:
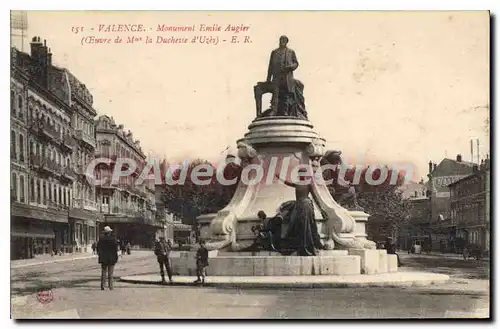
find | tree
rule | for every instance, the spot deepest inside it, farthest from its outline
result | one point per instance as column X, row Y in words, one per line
column 190, row 200
column 388, row 210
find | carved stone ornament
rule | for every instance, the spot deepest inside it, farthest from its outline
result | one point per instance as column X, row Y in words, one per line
column 246, row 151
column 315, row 150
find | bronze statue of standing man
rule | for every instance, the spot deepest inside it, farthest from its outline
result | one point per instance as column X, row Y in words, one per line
column 280, row 81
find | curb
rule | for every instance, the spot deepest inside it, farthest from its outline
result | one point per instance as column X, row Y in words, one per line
column 53, row 261
column 275, row 283
column 14, row 266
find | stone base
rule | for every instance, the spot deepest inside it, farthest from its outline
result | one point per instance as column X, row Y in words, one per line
column 264, row 263
column 374, row 261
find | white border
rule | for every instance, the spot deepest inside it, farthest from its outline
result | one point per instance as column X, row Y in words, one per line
column 190, row 5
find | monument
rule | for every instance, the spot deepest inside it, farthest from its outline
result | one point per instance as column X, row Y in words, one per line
column 312, row 224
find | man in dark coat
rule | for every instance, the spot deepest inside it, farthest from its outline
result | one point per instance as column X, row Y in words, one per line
column 280, row 80
column 108, row 256
column 201, row 262
column 162, row 252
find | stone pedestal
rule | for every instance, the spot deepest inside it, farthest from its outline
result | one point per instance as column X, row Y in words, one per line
column 369, row 260
column 278, row 145
column 335, row 262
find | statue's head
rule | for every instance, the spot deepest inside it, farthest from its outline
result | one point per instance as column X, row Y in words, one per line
column 283, row 41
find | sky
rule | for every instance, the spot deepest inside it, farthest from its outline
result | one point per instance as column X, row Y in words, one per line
column 382, row 87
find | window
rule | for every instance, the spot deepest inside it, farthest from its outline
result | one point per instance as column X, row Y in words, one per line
column 64, row 197
column 105, row 200
column 38, row 192
column 12, row 102
column 60, row 194
column 13, row 185
column 32, row 189
column 21, row 148
column 13, row 151
column 20, row 106
column 21, row 189
column 44, row 193
column 51, row 196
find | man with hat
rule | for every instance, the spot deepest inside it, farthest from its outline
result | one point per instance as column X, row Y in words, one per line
column 280, row 81
column 108, row 256
column 162, row 252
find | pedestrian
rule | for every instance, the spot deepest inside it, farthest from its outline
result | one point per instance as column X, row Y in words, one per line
column 162, row 252
column 390, row 246
column 107, row 256
column 123, row 247
column 201, row 262
column 94, row 248
column 129, row 248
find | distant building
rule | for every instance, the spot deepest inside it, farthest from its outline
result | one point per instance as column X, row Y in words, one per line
column 440, row 176
column 173, row 229
column 417, row 228
column 128, row 207
column 469, row 204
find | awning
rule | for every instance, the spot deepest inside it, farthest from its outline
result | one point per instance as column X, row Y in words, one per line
column 32, row 232
column 29, row 211
column 84, row 215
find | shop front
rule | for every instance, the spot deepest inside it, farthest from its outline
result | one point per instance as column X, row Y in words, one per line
column 36, row 231
column 133, row 230
column 83, row 228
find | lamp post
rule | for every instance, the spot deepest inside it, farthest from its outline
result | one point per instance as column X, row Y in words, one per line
column 429, row 192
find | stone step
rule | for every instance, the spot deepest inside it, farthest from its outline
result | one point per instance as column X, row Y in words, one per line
column 273, row 253
column 272, row 265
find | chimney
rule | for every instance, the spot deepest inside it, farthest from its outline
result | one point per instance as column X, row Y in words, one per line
column 435, row 166
column 49, row 59
column 459, row 158
column 474, row 168
column 40, row 56
column 35, row 47
column 430, row 167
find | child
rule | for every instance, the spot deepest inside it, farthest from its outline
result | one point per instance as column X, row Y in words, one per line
column 201, row 262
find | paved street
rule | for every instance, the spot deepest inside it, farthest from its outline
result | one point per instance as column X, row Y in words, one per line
column 76, row 294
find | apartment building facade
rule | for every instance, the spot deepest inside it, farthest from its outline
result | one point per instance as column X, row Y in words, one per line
column 469, row 204
column 44, row 148
column 127, row 205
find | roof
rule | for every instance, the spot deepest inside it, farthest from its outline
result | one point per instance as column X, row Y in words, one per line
column 80, row 92
column 410, row 188
column 477, row 173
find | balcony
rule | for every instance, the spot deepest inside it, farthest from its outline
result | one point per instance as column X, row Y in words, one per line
column 45, row 130
column 111, row 157
column 68, row 143
column 84, row 204
column 85, row 138
column 89, row 205
column 69, row 174
column 46, row 165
